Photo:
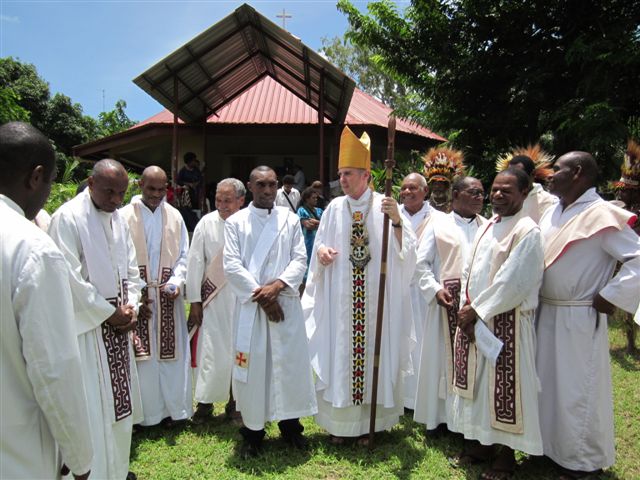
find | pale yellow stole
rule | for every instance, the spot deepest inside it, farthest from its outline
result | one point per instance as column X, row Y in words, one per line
column 214, row 279
column 594, row 219
column 169, row 254
column 504, row 378
column 451, row 266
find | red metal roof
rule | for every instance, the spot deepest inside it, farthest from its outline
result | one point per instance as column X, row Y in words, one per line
column 268, row 102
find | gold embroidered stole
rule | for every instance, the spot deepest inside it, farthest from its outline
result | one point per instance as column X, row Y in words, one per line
column 594, row 219
column 164, row 308
column 359, row 257
column 504, row 378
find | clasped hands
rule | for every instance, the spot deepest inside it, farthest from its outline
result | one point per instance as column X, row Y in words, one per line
column 267, row 297
column 124, row 318
column 467, row 316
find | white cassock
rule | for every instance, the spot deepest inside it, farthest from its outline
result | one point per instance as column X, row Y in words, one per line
column 433, row 400
column 419, row 221
column 515, row 285
column 214, row 351
column 43, row 407
column 576, row 402
column 283, row 199
column 165, row 386
column 537, row 202
column 340, row 311
column 111, row 418
column 272, row 377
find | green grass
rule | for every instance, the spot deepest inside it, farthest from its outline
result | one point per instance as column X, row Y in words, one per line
column 209, row 451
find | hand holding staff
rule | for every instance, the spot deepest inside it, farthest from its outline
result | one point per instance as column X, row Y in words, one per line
column 389, row 164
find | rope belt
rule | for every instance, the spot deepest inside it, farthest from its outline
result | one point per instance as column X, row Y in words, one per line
column 566, row 303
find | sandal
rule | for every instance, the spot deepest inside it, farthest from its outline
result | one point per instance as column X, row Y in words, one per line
column 336, row 440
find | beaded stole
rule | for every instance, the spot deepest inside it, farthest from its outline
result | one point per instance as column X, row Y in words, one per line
column 359, row 257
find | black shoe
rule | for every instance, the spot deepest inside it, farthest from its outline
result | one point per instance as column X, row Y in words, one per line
column 252, row 442
column 291, row 432
column 131, row 476
column 438, row 432
column 203, row 413
column 250, row 450
column 296, row 440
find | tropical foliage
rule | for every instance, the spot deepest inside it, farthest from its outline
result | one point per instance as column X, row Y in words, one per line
column 501, row 74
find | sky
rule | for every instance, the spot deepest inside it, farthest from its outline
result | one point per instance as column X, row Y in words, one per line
column 92, row 50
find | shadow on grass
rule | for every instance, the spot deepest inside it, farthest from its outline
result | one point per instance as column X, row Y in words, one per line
column 156, row 432
column 630, row 362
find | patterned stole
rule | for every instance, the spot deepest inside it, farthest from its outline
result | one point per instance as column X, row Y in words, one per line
column 504, row 377
column 359, row 258
column 116, row 349
column 214, row 280
column 164, row 308
column 460, row 352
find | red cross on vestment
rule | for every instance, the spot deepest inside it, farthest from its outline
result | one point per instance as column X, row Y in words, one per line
column 241, row 360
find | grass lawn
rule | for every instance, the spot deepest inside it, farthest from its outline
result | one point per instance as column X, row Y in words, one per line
column 209, row 451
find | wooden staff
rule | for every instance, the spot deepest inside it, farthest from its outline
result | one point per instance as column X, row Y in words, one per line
column 389, row 164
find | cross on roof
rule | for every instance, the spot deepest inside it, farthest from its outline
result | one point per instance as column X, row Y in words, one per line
column 284, row 15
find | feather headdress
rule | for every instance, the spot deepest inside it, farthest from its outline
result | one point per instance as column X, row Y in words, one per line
column 541, row 159
column 443, row 164
column 630, row 169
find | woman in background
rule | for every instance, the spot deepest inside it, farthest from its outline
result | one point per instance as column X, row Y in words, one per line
column 309, row 215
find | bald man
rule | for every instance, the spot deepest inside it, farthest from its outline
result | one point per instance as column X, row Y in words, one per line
column 161, row 339
column 94, row 239
column 584, row 236
column 417, row 211
column 43, row 406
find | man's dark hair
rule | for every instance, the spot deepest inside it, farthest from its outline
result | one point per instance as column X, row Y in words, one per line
column 522, row 178
column 459, row 183
column 261, row 169
column 526, row 162
column 189, row 157
column 288, row 180
column 22, row 148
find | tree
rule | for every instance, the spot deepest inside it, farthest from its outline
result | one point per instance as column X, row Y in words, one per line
column 115, row 120
column 10, row 109
column 361, row 64
column 506, row 73
column 31, row 92
column 66, row 125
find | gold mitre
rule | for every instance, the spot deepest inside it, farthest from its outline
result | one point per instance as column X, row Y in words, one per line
column 354, row 152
